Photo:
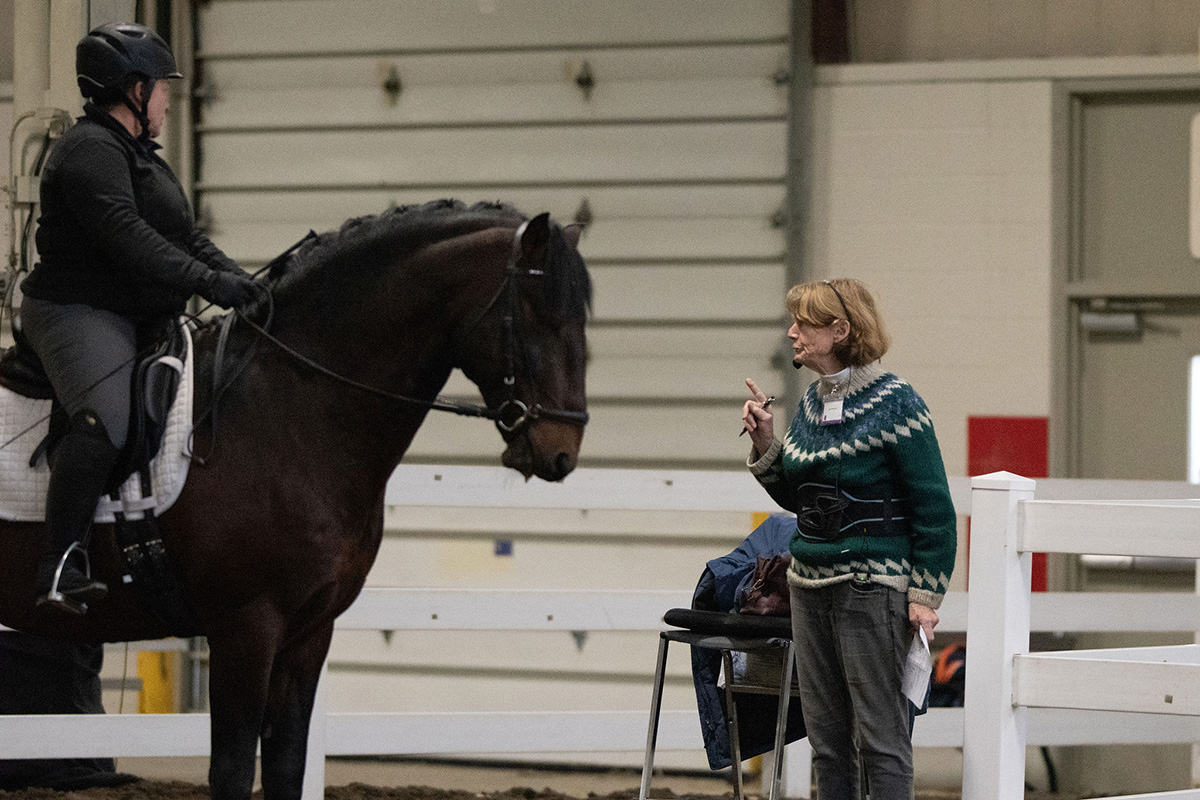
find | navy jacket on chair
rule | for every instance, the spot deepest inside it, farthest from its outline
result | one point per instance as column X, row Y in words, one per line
column 756, row 713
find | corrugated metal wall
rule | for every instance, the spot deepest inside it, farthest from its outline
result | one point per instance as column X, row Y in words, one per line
column 918, row 30
column 6, row 121
column 677, row 148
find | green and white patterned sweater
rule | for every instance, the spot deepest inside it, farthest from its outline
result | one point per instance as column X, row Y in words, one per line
column 885, row 435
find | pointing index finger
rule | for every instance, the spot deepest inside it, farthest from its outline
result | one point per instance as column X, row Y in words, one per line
column 759, row 394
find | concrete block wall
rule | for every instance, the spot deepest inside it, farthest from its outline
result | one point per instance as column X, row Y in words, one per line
column 937, row 195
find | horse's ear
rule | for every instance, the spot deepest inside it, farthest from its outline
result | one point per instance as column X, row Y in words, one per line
column 572, row 233
column 535, row 238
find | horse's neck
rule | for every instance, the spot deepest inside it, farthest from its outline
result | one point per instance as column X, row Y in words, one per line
column 279, row 399
column 394, row 334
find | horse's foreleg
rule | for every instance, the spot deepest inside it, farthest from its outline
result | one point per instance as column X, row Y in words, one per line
column 289, row 709
column 239, row 675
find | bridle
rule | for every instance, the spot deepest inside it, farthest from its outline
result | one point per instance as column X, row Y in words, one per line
column 513, row 414
column 510, row 416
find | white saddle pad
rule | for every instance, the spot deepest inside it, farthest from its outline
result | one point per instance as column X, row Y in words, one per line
column 24, row 423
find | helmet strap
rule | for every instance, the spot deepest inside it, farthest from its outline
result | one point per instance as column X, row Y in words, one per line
column 143, row 113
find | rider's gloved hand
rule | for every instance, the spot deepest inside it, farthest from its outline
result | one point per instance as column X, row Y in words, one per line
column 228, row 289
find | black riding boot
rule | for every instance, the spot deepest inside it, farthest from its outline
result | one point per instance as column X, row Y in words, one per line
column 83, row 462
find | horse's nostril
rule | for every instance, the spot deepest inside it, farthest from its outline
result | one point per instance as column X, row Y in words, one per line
column 563, row 465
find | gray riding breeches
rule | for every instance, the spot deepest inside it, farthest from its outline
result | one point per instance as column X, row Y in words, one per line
column 88, row 354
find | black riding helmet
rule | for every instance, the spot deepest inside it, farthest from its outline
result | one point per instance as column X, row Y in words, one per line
column 113, row 55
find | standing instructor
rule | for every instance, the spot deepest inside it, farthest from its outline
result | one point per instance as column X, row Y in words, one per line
column 875, row 536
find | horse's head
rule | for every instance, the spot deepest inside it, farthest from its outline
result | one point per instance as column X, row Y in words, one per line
column 526, row 352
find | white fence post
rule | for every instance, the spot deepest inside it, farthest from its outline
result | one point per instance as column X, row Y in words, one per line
column 998, row 628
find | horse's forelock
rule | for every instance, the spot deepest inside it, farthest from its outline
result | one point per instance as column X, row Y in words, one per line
column 569, row 289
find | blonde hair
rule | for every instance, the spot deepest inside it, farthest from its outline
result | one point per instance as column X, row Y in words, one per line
column 821, row 303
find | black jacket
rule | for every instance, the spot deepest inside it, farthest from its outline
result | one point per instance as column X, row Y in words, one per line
column 116, row 230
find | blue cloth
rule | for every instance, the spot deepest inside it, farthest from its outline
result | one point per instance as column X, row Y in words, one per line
column 718, row 590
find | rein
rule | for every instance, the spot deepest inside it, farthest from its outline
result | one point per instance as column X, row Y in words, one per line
column 512, row 415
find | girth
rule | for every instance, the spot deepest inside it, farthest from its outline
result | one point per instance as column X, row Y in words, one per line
column 827, row 513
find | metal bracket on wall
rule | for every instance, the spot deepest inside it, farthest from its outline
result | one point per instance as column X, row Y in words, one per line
column 389, row 81
column 204, row 92
column 585, row 80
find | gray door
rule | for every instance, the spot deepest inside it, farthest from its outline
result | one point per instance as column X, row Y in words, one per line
column 1133, row 285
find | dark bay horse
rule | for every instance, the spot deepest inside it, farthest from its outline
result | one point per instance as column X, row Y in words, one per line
column 275, row 531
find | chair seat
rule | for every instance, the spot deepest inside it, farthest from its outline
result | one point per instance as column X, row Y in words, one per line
column 738, row 626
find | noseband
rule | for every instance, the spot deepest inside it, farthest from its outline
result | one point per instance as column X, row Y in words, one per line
column 510, row 417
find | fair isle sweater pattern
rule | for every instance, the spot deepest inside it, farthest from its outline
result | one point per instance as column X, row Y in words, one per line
column 868, row 432
column 886, row 434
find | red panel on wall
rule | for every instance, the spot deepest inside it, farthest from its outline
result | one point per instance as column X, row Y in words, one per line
column 1020, row 445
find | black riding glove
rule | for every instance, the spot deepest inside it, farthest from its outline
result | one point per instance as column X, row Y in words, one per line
column 228, row 289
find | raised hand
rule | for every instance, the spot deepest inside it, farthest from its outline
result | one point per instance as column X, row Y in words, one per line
column 757, row 419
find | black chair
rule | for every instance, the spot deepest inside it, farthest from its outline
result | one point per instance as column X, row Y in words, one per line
column 728, row 632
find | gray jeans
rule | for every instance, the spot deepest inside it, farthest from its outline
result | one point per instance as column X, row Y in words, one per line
column 852, row 639
column 88, row 355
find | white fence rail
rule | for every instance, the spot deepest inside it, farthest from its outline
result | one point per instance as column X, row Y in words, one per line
column 1008, row 627
column 1005, row 682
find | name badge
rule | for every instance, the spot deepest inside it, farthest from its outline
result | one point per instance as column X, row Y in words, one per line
column 833, row 411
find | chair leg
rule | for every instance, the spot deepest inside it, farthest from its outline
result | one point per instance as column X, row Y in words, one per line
column 735, row 745
column 785, row 696
column 655, row 710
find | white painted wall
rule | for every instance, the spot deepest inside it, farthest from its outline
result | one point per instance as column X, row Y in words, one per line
column 937, row 195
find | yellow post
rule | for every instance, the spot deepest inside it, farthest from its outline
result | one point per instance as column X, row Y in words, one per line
column 159, row 673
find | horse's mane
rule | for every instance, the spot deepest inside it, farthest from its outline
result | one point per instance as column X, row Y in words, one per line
column 379, row 240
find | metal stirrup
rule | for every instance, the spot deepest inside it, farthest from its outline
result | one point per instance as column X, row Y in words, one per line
column 54, row 595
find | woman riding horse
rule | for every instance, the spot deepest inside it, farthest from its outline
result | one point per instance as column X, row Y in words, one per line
column 119, row 253
column 325, row 383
